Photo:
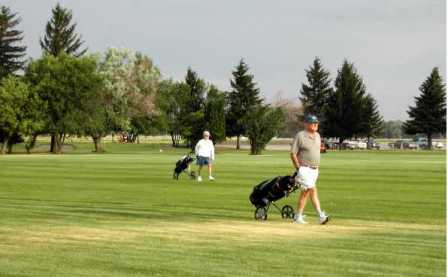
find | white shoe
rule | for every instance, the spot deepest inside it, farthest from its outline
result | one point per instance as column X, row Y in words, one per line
column 211, row 178
column 323, row 218
column 299, row 219
column 199, row 179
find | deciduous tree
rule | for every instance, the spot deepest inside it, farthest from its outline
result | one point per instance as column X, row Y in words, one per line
column 214, row 114
column 263, row 123
column 69, row 87
column 21, row 112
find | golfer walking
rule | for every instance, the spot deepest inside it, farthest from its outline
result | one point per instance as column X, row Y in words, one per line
column 205, row 153
column 305, row 156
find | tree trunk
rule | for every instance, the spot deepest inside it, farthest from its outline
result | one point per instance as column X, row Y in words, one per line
column 429, row 136
column 368, row 143
column 31, row 143
column 173, row 140
column 238, row 142
column 341, row 140
column 97, row 143
column 59, row 142
column 10, row 145
column 52, row 143
column 253, row 147
column 4, row 146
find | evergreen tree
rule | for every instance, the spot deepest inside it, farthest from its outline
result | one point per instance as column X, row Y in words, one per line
column 428, row 116
column 243, row 97
column 315, row 93
column 60, row 36
column 344, row 111
column 11, row 50
column 193, row 117
column 372, row 121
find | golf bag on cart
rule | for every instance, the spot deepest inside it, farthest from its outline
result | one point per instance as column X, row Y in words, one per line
column 269, row 191
column 182, row 165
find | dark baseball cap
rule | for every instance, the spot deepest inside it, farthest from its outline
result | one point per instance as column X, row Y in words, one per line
column 310, row 118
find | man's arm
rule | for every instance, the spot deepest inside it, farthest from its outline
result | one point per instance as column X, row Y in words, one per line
column 295, row 150
column 212, row 151
column 196, row 148
column 295, row 160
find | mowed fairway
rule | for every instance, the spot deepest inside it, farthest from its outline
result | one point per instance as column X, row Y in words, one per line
column 121, row 214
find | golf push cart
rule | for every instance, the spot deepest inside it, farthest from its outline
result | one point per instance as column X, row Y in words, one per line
column 268, row 192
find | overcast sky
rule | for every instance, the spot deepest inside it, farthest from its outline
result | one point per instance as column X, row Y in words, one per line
column 393, row 43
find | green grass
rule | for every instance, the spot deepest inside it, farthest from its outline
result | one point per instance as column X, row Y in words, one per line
column 121, row 214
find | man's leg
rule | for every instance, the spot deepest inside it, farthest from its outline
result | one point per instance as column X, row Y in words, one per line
column 199, row 173
column 298, row 218
column 210, row 177
column 323, row 218
column 315, row 200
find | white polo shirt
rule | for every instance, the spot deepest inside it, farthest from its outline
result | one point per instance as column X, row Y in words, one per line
column 205, row 148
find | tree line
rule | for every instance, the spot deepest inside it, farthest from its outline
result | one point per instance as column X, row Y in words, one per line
column 69, row 92
column 346, row 110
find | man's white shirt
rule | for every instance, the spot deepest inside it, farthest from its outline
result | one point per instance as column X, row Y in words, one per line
column 205, row 148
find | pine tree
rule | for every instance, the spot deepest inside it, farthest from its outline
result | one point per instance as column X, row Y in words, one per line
column 197, row 90
column 193, row 117
column 428, row 116
column 243, row 97
column 60, row 36
column 315, row 93
column 11, row 50
column 372, row 121
column 344, row 111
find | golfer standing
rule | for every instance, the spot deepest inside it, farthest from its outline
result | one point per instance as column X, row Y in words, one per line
column 305, row 155
column 205, row 154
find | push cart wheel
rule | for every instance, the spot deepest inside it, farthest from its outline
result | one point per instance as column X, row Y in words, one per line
column 261, row 213
column 287, row 212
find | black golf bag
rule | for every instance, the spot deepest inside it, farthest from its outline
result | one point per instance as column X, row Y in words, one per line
column 182, row 165
column 269, row 191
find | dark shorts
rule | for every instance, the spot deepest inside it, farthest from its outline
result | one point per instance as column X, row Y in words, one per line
column 203, row 161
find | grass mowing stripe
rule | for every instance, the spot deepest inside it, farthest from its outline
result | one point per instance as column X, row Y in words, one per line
column 121, row 214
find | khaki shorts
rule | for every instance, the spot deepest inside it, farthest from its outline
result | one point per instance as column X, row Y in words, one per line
column 307, row 177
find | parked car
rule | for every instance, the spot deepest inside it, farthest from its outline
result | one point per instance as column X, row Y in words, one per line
column 399, row 144
column 361, row 145
column 421, row 142
column 438, row 145
column 410, row 145
column 373, row 145
column 352, row 145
